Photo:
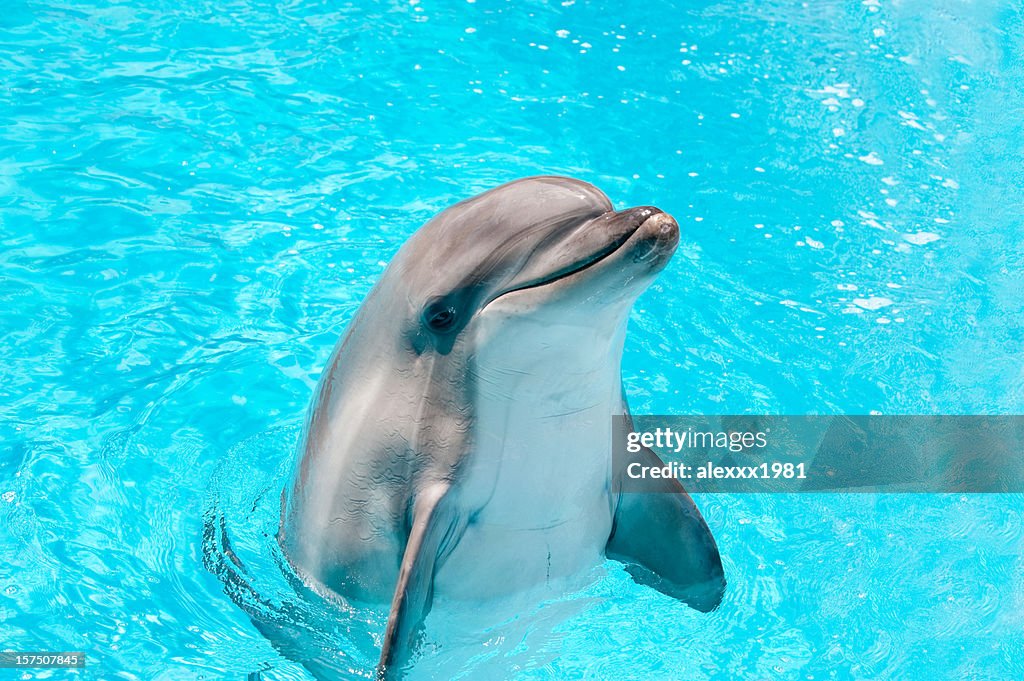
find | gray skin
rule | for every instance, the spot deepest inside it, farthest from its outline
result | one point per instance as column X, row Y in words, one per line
column 459, row 443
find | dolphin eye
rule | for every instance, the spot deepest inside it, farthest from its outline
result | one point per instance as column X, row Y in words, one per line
column 440, row 316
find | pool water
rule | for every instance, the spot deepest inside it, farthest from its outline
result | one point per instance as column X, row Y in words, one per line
column 195, row 197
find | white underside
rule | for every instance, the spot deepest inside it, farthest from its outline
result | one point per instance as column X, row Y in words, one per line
column 536, row 487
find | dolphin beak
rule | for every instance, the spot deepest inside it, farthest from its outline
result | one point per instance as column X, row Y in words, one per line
column 596, row 239
column 659, row 234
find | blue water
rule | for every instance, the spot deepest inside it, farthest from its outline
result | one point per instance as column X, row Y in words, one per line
column 195, row 197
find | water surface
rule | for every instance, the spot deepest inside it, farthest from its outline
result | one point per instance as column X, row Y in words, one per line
column 195, row 197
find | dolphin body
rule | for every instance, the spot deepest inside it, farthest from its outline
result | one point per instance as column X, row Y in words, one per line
column 460, row 440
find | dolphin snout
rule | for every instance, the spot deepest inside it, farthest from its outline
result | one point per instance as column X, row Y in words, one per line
column 657, row 237
column 662, row 226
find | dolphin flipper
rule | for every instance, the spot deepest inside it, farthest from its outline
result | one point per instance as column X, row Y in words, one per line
column 665, row 543
column 431, row 528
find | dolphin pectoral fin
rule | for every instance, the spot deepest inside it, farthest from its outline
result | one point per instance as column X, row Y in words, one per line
column 665, row 543
column 413, row 591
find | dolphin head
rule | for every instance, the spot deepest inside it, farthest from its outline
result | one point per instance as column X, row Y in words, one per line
column 550, row 248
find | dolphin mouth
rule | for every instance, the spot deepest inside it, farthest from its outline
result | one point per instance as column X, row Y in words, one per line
column 635, row 219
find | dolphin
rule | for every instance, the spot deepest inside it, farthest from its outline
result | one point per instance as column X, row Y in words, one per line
column 459, row 442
